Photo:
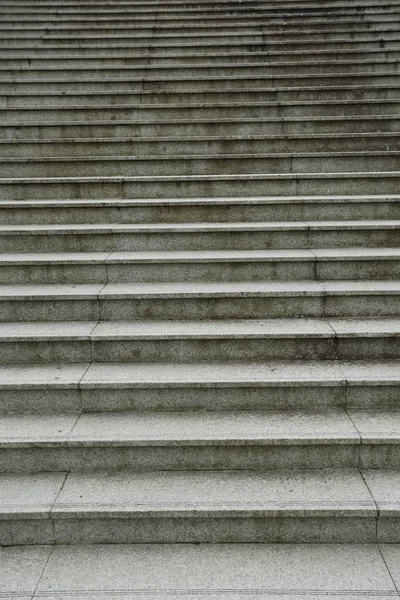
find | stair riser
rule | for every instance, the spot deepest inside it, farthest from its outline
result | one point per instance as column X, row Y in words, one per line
column 200, row 350
column 197, row 145
column 229, row 5
column 246, row 25
column 209, row 165
column 199, row 188
column 252, row 307
column 196, row 458
column 172, row 213
column 275, row 51
column 247, row 127
column 37, row 40
column 251, row 271
column 281, row 71
column 221, row 85
column 333, row 529
column 198, row 240
column 10, row 65
column 116, row 99
column 207, row 21
column 48, row 399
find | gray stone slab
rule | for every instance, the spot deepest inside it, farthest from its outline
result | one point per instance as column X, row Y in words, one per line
column 53, row 330
column 296, row 572
column 29, row 495
column 21, row 569
column 30, row 427
column 211, row 256
column 385, row 489
column 371, row 373
column 67, row 291
column 391, row 555
column 219, row 428
column 226, row 328
column 41, row 376
column 366, row 327
column 296, row 373
column 220, row 289
column 225, row 493
column 377, row 426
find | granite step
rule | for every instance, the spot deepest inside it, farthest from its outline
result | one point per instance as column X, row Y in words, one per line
column 200, row 441
column 205, row 265
column 202, row 569
column 272, row 48
column 158, row 341
column 129, row 120
column 345, row 506
column 245, row 69
column 114, row 99
column 40, row 38
column 192, row 210
column 268, row 386
column 199, row 300
column 202, row 165
column 156, row 237
column 286, row 184
column 238, row 143
column 184, row 84
column 132, row 59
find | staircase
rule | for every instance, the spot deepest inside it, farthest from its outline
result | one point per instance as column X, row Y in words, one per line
column 200, row 298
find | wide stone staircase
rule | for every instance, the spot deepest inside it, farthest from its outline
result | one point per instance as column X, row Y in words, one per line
column 200, row 298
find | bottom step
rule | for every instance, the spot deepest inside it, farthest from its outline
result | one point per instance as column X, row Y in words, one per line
column 154, row 572
column 324, row 506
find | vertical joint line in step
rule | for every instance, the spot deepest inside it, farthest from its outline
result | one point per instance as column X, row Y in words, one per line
column 44, row 567
column 388, row 570
column 53, row 505
column 376, row 506
column 360, row 435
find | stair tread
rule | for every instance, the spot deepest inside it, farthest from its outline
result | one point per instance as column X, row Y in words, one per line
column 200, row 256
column 225, row 329
column 203, row 569
column 333, row 426
column 200, row 201
column 198, row 289
column 161, row 494
column 99, row 228
column 172, row 375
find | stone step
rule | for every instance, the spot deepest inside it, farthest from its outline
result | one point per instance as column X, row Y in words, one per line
column 274, row 5
column 222, row 83
column 43, row 13
column 350, row 506
column 29, row 39
column 200, row 186
column 112, row 147
column 217, row 210
column 163, row 12
column 64, row 73
column 200, row 164
column 196, row 441
column 20, row 133
column 238, row 386
column 247, row 23
column 274, row 49
column 116, row 100
column 199, row 300
column 206, row 266
column 158, row 341
column 203, row 569
column 203, row 18
column 85, row 60
column 143, row 237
